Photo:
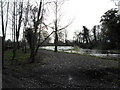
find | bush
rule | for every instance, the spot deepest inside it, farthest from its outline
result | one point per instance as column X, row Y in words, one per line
column 105, row 46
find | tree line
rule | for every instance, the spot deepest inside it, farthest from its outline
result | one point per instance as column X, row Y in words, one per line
column 103, row 36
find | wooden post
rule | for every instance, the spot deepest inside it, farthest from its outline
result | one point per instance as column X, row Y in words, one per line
column 0, row 63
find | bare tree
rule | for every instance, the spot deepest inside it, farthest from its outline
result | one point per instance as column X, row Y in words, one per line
column 57, row 18
column 20, row 14
column 16, row 25
column 86, row 37
column 31, row 33
column 94, row 33
column 14, row 31
column 25, row 21
column 4, row 27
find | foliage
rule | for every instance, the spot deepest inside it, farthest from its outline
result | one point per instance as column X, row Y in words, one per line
column 32, row 41
column 105, row 36
column 83, row 38
column 19, row 59
column 29, row 34
column 76, row 48
column 111, row 28
column 85, row 34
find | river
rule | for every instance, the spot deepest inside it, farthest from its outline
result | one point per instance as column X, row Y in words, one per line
column 92, row 52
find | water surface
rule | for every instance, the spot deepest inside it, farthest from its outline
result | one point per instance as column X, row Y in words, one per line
column 93, row 52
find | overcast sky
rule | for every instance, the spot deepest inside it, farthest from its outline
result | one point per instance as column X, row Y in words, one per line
column 84, row 13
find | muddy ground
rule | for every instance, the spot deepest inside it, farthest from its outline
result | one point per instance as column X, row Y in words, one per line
column 63, row 70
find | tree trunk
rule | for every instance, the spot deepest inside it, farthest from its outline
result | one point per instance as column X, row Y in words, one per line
column 14, row 33
column 3, row 48
column 3, row 33
column 56, row 41
column 94, row 33
column 32, row 55
column 14, row 53
column 18, row 47
column 56, row 36
column 25, row 48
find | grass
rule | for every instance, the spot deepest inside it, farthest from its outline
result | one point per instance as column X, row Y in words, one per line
column 20, row 59
column 20, row 56
column 21, row 62
column 77, row 48
column 97, row 57
column 105, row 58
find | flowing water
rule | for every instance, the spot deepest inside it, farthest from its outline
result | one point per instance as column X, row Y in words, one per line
column 93, row 52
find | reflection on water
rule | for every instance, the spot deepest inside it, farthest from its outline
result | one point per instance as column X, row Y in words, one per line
column 60, row 48
column 93, row 52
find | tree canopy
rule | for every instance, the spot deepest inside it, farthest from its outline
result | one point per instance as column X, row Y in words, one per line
column 111, row 27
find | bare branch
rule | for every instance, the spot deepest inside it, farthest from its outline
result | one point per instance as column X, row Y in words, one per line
column 3, row 32
column 43, row 42
column 116, row 2
column 65, row 26
column 6, row 18
column 39, row 10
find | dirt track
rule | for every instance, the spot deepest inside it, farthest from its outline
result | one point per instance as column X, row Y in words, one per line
column 66, row 70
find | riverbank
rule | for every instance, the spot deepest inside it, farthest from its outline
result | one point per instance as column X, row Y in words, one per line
column 104, row 54
column 63, row 70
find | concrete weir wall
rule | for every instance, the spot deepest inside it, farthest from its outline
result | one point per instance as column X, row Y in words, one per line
column 0, row 63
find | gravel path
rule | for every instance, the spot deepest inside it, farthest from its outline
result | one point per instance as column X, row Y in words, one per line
column 66, row 71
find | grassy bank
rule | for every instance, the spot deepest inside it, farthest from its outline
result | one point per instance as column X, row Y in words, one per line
column 97, row 57
column 21, row 61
